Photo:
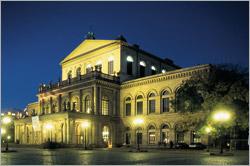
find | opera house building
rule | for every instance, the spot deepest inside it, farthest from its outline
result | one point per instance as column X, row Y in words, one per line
column 111, row 93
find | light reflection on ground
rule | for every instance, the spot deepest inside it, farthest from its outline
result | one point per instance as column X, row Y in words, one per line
column 34, row 156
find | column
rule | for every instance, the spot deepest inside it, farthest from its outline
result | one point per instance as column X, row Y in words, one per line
column 114, row 113
column 145, row 106
column 50, row 104
column 171, row 105
column 68, row 131
column 93, row 98
column 158, row 104
column 80, row 102
column 59, row 101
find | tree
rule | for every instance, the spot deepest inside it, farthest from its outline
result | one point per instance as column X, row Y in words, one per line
column 224, row 87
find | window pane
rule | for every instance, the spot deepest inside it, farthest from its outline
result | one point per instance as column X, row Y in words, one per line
column 110, row 67
column 151, row 106
column 142, row 71
column 128, row 137
column 165, row 105
column 128, row 109
column 152, row 138
column 129, row 68
column 153, row 72
column 139, row 107
column 105, row 106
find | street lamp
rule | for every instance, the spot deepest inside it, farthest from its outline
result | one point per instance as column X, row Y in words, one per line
column 137, row 123
column 49, row 127
column 3, row 131
column 221, row 117
column 6, row 120
column 85, row 125
column 208, row 131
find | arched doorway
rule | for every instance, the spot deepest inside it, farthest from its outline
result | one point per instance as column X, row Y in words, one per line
column 165, row 133
column 106, row 136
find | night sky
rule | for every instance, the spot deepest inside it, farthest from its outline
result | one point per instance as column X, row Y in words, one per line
column 36, row 36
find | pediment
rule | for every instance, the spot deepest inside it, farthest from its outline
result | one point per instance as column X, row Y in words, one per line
column 88, row 46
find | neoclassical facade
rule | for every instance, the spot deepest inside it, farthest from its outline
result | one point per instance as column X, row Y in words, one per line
column 109, row 84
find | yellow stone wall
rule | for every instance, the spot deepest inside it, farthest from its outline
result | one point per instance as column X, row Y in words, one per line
column 91, row 55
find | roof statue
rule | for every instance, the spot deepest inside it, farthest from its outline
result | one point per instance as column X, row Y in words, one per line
column 90, row 35
column 122, row 38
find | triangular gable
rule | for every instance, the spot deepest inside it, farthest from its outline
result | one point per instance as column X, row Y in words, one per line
column 87, row 46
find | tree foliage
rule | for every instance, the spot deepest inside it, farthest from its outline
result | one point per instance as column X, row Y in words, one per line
column 224, row 86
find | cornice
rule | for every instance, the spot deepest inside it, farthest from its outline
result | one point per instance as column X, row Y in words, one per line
column 175, row 74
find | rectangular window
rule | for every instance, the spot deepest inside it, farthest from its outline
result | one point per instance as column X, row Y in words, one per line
column 142, row 71
column 151, row 106
column 110, row 67
column 153, row 72
column 165, row 104
column 105, row 107
column 128, row 109
column 139, row 107
column 129, row 68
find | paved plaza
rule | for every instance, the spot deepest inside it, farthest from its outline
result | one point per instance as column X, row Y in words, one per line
column 35, row 156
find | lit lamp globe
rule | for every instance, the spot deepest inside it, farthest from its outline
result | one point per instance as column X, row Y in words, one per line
column 48, row 126
column 3, row 131
column 221, row 116
column 6, row 120
column 85, row 124
column 138, row 121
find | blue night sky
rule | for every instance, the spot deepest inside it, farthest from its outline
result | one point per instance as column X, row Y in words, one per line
column 36, row 36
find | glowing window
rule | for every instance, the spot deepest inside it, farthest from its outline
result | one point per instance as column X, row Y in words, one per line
column 142, row 63
column 130, row 59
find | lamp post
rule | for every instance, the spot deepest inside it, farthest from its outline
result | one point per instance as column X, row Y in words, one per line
column 208, row 131
column 85, row 125
column 221, row 117
column 6, row 120
column 137, row 123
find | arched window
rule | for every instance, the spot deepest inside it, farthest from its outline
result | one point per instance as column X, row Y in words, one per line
column 165, row 133
column 130, row 61
column 87, row 104
column 165, row 101
column 151, row 103
column 153, row 70
column 142, row 68
column 151, row 135
column 70, row 74
column 47, row 108
column 105, row 105
column 98, row 66
column 179, row 131
column 75, row 103
column 139, row 105
column 78, row 72
column 110, row 65
column 139, row 135
column 54, row 107
column 128, row 106
column 88, row 68
column 127, row 136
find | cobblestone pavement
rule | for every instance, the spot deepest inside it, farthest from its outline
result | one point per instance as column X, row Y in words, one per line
column 36, row 156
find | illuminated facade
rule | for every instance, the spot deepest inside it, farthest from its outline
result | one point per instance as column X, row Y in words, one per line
column 110, row 83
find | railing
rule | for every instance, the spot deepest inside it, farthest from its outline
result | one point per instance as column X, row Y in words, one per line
column 81, row 78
